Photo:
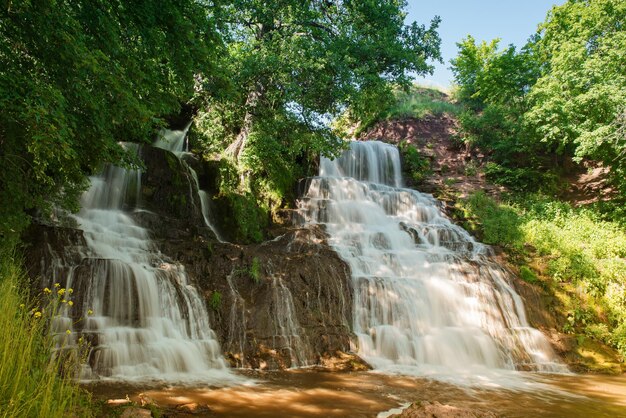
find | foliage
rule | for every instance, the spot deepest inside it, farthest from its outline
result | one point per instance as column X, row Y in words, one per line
column 415, row 166
column 76, row 78
column 30, row 383
column 579, row 100
column 574, row 246
column 292, row 65
column 245, row 218
column 215, row 302
column 521, row 178
column 528, row 275
column 560, row 96
column 255, row 270
column 496, row 224
column 492, row 89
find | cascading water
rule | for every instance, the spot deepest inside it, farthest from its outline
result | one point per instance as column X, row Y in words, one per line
column 138, row 312
column 427, row 296
column 175, row 141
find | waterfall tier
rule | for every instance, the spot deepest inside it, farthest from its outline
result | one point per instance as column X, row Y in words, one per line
column 426, row 295
column 139, row 313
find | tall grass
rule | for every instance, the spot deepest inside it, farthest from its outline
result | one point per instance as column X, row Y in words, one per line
column 30, row 384
column 420, row 102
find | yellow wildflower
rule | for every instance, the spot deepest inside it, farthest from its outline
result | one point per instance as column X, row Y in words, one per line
column 22, row 306
column 70, row 290
column 37, row 314
column 46, row 290
column 63, row 301
column 70, row 303
column 57, row 285
column 89, row 312
column 61, row 292
column 68, row 332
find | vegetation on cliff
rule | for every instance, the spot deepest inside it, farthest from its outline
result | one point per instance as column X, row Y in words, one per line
column 574, row 254
column 561, row 96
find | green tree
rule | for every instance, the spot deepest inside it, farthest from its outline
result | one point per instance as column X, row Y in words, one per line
column 76, row 77
column 580, row 99
column 293, row 66
column 493, row 87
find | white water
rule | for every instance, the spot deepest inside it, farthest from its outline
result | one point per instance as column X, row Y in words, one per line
column 427, row 298
column 142, row 317
column 176, row 142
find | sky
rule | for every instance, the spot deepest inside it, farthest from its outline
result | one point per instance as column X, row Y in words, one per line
column 513, row 21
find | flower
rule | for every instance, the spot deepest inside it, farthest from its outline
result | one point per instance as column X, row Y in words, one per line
column 68, row 332
column 70, row 290
column 63, row 301
column 61, row 292
column 70, row 303
column 57, row 285
column 46, row 290
column 22, row 306
column 37, row 314
column 89, row 312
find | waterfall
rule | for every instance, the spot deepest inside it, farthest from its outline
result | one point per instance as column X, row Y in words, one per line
column 427, row 297
column 176, row 142
column 140, row 315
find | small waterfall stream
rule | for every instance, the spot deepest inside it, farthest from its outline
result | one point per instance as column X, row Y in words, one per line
column 138, row 311
column 175, row 141
column 428, row 297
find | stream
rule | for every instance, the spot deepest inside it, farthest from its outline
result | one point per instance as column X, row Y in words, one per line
column 310, row 393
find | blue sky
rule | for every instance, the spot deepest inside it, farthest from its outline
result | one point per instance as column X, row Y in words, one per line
column 511, row 20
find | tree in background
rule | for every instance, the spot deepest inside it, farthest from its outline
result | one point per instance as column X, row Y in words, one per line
column 295, row 64
column 580, row 99
column 492, row 86
column 563, row 94
column 76, row 77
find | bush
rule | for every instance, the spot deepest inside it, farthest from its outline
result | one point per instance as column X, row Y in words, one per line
column 415, row 166
column 496, row 224
column 579, row 248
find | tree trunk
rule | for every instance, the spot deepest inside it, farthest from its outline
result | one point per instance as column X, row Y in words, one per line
column 238, row 146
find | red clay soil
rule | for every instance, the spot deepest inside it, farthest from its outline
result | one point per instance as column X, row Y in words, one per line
column 455, row 170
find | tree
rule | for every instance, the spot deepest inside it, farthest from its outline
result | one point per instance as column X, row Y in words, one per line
column 294, row 65
column 580, row 99
column 76, row 77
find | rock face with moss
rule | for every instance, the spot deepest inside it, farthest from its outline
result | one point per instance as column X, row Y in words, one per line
column 282, row 303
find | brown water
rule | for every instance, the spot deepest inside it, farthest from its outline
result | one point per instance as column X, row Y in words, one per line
column 307, row 393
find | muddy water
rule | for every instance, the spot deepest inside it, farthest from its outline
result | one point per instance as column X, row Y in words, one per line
column 307, row 393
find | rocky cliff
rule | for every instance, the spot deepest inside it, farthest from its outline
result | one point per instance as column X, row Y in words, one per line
column 279, row 304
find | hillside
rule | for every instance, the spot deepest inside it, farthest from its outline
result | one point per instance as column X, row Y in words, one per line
column 559, row 301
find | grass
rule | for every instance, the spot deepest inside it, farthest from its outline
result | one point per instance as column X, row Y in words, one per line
column 418, row 102
column 30, row 384
column 562, row 248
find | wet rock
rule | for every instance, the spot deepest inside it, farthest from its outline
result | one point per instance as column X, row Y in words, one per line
column 136, row 412
column 438, row 410
column 275, row 305
column 343, row 362
column 193, row 409
column 168, row 191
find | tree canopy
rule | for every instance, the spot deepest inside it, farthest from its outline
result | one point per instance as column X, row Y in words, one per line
column 77, row 77
column 563, row 94
column 292, row 66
